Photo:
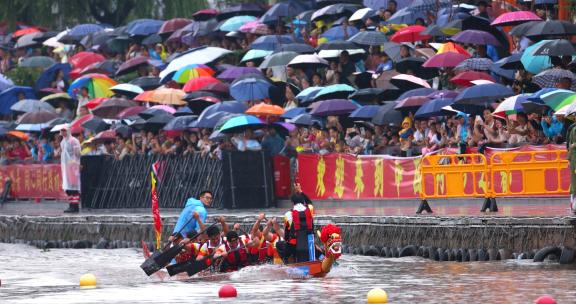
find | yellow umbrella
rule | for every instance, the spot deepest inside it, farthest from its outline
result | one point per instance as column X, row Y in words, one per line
column 164, row 96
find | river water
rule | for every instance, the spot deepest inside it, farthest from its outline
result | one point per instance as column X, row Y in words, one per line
column 30, row 275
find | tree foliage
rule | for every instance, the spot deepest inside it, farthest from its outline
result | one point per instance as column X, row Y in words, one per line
column 59, row 14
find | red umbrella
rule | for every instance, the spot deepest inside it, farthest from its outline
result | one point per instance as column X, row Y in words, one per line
column 410, row 34
column 448, row 59
column 81, row 61
column 37, row 117
column 76, row 125
column 25, row 31
column 172, row 25
column 132, row 65
column 199, row 83
column 95, row 102
column 464, row 79
column 108, row 135
column 130, row 112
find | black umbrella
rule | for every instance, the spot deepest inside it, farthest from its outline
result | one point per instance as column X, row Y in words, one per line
column 368, row 95
column 300, row 48
column 387, row 115
column 123, row 130
column 414, row 64
column 198, row 94
column 337, row 45
column 152, row 40
column 112, row 107
column 334, row 11
column 513, row 62
column 250, row 9
column 147, row 83
column 306, row 120
column 95, row 124
column 392, row 49
column 535, row 107
column 557, row 47
column 553, row 28
column 433, row 30
column 158, row 121
column 149, row 113
column 520, row 30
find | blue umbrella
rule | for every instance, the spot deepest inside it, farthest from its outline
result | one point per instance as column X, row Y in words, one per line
column 306, row 120
column 416, row 92
column 10, row 96
column 85, row 29
column 333, row 107
column 271, row 42
column 536, row 96
column 233, row 24
column 234, row 72
column 179, row 123
column 5, row 83
column 143, row 27
column 48, row 75
column 307, row 95
column 250, row 89
column 339, row 33
column 293, row 113
column 334, row 91
column 387, row 115
column 483, row 94
column 205, row 120
column 433, row 108
column 535, row 64
column 497, row 69
column 240, row 123
column 208, row 121
column 184, row 111
column 281, row 10
column 404, row 16
column 365, row 112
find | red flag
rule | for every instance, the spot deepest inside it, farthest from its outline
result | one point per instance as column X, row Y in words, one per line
column 155, row 208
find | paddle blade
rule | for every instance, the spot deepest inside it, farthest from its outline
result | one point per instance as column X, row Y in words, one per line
column 195, row 267
column 178, row 268
column 150, row 266
column 159, row 260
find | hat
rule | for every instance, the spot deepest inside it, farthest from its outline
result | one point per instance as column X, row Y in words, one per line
column 299, row 198
column 461, row 114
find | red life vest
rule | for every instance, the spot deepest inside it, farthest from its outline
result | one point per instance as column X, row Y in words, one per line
column 236, row 259
column 302, row 222
column 260, row 253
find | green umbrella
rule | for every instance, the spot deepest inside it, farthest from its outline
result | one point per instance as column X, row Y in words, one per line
column 37, row 62
column 278, row 59
column 255, row 54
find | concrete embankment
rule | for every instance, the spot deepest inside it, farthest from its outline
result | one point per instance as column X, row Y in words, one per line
column 440, row 238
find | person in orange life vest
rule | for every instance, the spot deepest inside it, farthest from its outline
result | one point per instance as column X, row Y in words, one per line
column 214, row 245
column 273, row 238
column 235, row 256
column 260, row 252
column 298, row 227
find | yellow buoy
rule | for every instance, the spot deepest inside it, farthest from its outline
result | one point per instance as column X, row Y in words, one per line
column 88, row 280
column 377, row 296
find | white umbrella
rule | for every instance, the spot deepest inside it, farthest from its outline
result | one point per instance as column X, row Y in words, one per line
column 196, row 56
column 59, row 127
column 31, row 105
column 307, row 60
column 126, row 87
column 53, row 42
column 336, row 53
column 362, row 14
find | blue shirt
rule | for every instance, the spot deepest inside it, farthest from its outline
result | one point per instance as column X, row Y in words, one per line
column 186, row 223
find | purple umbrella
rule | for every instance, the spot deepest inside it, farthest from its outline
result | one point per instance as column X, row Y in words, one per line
column 232, row 73
column 332, row 107
column 475, row 37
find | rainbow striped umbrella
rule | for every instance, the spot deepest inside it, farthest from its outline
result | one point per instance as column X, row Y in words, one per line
column 98, row 85
column 192, row 71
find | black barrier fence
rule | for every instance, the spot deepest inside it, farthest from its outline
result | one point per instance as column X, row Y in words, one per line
column 242, row 180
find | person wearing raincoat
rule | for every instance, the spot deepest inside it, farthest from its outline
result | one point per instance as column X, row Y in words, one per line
column 70, row 165
column 571, row 146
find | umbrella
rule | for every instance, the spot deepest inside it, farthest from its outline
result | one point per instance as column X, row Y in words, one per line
column 414, row 66
column 369, row 38
column 130, row 112
column 535, row 64
column 27, row 40
column 408, row 82
column 410, row 34
column 338, row 45
column 199, row 83
column 520, row 30
column 411, row 103
column 170, row 26
column 234, row 72
column 165, row 96
column 512, row 104
column 300, row 48
column 233, row 24
column 550, row 78
column 484, row 93
column 205, row 14
column 158, row 121
column 146, row 82
column 127, row 89
column 37, row 117
column 558, row 47
column 332, row 107
column 94, row 102
column 281, row 10
column 143, row 27
column 240, row 123
column 201, row 55
column 475, row 37
column 433, row 30
column 475, row 64
column 365, row 112
column 251, row 9
column 81, row 60
column 536, row 97
column 333, row 91
column 293, row 113
column 428, row 5
column 112, row 107
column 219, row 89
column 307, row 95
column 270, row 42
column 31, row 105
column 451, row 47
column 515, row 18
column 95, row 124
column 164, row 108
column 497, row 69
column 339, row 33
column 10, row 96
column 185, row 111
column 367, row 95
column 5, row 83
column 392, row 49
column 362, row 14
column 37, row 62
column 334, row 11
column 535, row 107
column 387, row 115
column 548, row 29
column 107, row 67
column 132, row 65
column 433, row 108
column 557, row 99
column 512, row 62
column 78, row 32
column 150, row 112
column 193, row 71
column 253, row 55
column 199, row 104
column 208, row 121
column 98, row 85
column 443, row 60
column 418, row 92
column 263, row 109
column 225, row 106
column 278, row 59
column 250, row 89
column 284, row 128
column 255, row 27
column 18, row 134
column 306, row 120
column 25, row 31
column 179, row 123
column 307, row 61
column 55, row 99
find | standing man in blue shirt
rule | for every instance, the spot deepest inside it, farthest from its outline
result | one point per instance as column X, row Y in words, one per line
column 196, row 209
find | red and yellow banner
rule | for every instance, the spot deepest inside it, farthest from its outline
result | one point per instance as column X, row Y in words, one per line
column 33, row 181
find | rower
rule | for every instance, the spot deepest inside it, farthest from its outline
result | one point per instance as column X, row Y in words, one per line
column 259, row 253
column 212, row 247
column 235, row 255
column 299, row 229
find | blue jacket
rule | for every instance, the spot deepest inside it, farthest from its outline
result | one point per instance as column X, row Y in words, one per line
column 191, row 205
column 555, row 127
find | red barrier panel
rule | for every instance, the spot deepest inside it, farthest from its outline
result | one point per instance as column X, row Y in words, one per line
column 281, row 166
column 33, row 181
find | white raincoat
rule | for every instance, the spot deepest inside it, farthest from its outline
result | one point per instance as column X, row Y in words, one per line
column 70, row 162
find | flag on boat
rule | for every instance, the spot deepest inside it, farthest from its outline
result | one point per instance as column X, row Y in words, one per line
column 155, row 208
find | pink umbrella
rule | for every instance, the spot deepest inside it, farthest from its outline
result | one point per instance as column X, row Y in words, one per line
column 408, row 82
column 443, row 60
column 412, row 102
column 255, row 27
column 465, row 78
column 130, row 112
column 166, row 108
column 172, row 25
column 515, row 18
